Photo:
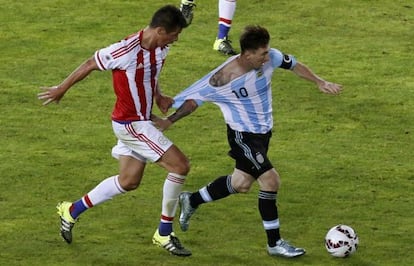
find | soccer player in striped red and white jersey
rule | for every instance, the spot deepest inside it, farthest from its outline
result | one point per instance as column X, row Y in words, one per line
column 136, row 63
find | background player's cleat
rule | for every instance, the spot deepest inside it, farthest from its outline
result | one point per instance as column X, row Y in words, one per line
column 284, row 249
column 66, row 220
column 171, row 244
column 224, row 46
column 186, row 8
column 186, row 210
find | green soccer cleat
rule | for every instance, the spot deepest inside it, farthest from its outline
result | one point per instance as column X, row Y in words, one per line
column 66, row 220
column 284, row 249
column 224, row 46
column 171, row 244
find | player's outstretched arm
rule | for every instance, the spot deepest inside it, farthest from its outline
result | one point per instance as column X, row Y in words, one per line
column 325, row 86
column 185, row 109
column 56, row 93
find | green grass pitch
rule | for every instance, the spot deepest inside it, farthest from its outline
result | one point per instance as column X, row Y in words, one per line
column 343, row 159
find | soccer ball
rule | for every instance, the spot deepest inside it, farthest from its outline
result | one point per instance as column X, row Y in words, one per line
column 341, row 241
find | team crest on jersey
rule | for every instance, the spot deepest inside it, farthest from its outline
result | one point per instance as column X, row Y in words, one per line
column 259, row 73
column 259, row 157
column 162, row 140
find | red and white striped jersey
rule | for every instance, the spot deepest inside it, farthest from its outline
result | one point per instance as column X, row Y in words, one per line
column 135, row 72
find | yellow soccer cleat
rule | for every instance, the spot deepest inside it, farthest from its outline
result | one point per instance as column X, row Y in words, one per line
column 171, row 244
column 224, row 46
column 66, row 220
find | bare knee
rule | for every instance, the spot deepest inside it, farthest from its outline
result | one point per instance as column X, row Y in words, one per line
column 242, row 188
column 129, row 183
column 183, row 168
column 269, row 181
column 174, row 161
column 270, row 184
column 241, row 181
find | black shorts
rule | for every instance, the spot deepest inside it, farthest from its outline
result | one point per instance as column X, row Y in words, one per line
column 250, row 151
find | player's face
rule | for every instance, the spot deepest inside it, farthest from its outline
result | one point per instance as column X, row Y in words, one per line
column 168, row 37
column 259, row 57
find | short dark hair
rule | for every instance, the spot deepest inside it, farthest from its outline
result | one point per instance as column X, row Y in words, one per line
column 168, row 17
column 254, row 37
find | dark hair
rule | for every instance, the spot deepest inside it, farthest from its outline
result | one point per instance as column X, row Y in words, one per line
column 168, row 17
column 254, row 37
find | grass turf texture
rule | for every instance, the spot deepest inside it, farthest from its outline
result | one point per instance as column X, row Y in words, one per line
column 345, row 159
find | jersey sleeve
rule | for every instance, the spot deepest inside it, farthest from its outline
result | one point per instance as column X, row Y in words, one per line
column 191, row 93
column 279, row 59
column 116, row 56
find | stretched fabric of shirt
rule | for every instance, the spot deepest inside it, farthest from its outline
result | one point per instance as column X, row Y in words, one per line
column 246, row 101
column 135, row 72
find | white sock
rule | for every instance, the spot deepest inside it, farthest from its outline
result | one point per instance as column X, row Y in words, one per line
column 172, row 188
column 227, row 8
column 105, row 190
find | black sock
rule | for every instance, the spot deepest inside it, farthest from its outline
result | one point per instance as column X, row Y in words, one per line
column 218, row 189
column 268, row 212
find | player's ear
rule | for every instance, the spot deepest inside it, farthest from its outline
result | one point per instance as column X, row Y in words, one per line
column 248, row 54
column 161, row 31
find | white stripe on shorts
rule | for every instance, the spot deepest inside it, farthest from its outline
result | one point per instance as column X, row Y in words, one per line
column 141, row 140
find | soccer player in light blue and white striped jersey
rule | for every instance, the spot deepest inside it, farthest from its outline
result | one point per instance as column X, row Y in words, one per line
column 241, row 87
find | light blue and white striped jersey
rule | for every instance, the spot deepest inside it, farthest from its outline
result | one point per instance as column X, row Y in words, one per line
column 246, row 101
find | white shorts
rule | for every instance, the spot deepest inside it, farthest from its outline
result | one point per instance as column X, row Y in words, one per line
column 141, row 140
